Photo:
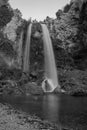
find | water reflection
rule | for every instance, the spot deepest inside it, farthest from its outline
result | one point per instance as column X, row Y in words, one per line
column 62, row 109
column 50, row 108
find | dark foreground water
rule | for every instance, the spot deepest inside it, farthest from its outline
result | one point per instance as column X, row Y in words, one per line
column 61, row 109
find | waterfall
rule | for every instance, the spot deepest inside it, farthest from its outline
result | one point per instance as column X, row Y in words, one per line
column 51, row 78
column 26, row 60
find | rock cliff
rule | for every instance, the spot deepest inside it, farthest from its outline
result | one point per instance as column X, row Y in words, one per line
column 69, row 31
column 11, row 35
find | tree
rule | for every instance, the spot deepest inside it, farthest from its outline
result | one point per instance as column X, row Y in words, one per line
column 3, row 2
column 5, row 15
column 59, row 13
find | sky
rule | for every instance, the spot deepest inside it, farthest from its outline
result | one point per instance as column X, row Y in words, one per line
column 38, row 9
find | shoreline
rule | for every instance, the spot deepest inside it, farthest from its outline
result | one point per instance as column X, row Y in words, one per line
column 11, row 119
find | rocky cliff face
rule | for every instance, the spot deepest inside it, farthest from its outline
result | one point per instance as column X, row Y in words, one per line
column 11, row 32
column 69, row 31
column 11, row 39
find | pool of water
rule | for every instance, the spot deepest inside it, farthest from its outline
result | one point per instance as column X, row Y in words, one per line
column 61, row 109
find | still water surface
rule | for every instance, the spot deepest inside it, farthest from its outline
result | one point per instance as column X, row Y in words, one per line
column 66, row 110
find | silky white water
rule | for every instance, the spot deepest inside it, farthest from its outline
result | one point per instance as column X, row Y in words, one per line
column 50, row 67
column 27, row 50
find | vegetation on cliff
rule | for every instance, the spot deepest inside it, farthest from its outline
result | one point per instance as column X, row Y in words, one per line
column 69, row 37
column 11, row 27
column 5, row 15
column 68, row 30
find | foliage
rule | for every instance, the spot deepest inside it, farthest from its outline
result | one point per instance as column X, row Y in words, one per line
column 6, row 46
column 67, row 8
column 18, row 31
column 82, row 28
column 59, row 13
column 5, row 15
column 3, row 2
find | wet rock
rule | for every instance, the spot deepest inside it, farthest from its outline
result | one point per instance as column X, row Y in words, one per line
column 78, row 93
column 37, row 35
column 33, row 75
column 33, row 88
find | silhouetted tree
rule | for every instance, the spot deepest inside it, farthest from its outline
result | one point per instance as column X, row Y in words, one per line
column 59, row 13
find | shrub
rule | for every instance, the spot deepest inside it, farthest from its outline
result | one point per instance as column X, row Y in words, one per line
column 59, row 13
column 6, row 46
column 5, row 15
column 67, row 7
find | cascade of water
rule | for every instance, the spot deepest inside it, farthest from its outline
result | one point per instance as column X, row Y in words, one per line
column 27, row 50
column 51, row 81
